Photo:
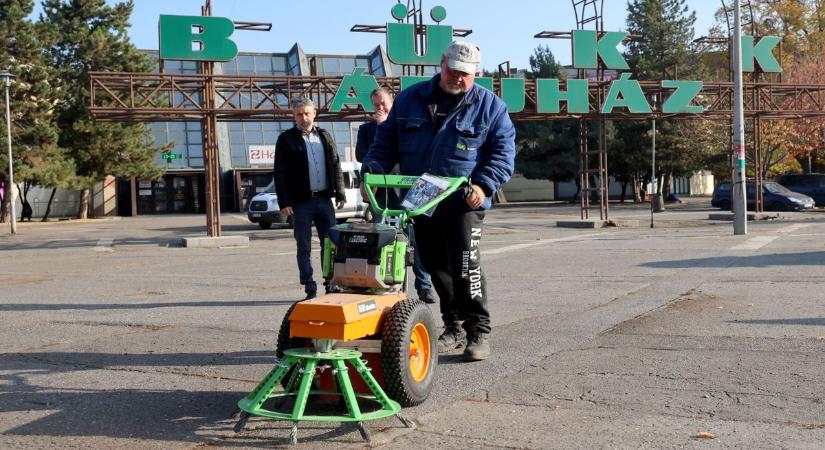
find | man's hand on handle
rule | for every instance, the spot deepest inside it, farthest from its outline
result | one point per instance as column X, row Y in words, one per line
column 476, row 197
column 287, row 211
column 340, row 204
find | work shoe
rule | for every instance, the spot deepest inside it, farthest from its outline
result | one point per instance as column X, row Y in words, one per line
column 478, row 347
column 332, row 289
column 427, row 295
column 452, row 338
column 310, row 295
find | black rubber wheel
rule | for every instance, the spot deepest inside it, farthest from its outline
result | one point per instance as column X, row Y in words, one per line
column 265, row 225
column 409, row 328
column 724, row 205
column 290, row 223
column 285, row 342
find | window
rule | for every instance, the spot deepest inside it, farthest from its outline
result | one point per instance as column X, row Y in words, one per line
column 263, row 65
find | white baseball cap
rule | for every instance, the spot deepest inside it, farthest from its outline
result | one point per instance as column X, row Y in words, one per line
column 463, row 56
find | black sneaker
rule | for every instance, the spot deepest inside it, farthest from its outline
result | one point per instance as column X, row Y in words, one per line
column 478, row 347
column 427, row 295
column 332, row 290
column 452, row 338
column 311, row 294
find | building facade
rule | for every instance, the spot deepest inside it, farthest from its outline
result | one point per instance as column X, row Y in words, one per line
column 245, row 148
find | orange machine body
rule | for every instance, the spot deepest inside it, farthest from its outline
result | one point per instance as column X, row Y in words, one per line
column 344, row 317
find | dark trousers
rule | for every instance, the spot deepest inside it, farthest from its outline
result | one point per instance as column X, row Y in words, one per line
column 320, row 211
column 449, row 247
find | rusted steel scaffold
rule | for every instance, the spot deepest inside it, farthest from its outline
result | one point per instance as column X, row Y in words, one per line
column 150, row 97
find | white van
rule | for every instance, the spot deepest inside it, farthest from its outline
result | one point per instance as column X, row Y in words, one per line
column 264, row 210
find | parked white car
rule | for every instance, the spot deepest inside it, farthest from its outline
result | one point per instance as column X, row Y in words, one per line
column 264, row 210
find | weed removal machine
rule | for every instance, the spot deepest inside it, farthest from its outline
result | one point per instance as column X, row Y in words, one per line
column 326, row 344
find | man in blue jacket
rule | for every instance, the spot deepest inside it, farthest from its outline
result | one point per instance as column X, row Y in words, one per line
column 449, row 126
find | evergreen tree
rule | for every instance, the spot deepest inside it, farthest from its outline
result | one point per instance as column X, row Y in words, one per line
column 666, row 51
column 36, row 157
column 91, row 36
column 547, row 150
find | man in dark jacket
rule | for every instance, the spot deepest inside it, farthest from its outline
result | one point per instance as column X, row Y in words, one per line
column 382, row 103
column 449, row 126
column 307, row 175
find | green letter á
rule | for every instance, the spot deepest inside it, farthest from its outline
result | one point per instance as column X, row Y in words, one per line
column 549, row 96
column 632, row 96
column 362, row 85
column 176, row 38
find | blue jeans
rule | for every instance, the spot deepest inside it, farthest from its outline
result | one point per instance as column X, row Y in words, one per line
column 320, row 211
column 422, row 277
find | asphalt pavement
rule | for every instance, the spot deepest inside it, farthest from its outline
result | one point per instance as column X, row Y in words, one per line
column 678, row 336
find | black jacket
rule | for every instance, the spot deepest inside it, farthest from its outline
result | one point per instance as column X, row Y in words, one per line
column 366, row 134
column 292, row 169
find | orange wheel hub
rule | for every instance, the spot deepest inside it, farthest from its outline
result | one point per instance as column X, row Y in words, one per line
column 420, row 352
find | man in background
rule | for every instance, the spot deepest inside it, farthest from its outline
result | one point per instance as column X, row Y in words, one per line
column 307, row 176
column 382, row 103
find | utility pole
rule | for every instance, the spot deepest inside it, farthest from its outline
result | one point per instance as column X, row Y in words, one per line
column 653, row 168
column 739, row 191
column 6, row 82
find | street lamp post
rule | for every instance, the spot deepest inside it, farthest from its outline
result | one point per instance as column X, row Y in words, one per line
column 6, row 81
column 739, row 191
column 653, row 183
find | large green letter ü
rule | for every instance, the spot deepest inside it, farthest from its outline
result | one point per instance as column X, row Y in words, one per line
column 401, row 39
column 177, row 37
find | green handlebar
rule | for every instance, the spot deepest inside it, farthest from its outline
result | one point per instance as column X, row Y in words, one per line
column 372, row 180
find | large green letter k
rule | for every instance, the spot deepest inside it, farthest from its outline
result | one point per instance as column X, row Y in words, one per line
column 587, row 48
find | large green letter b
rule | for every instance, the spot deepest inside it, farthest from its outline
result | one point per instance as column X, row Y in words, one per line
column 179, row 33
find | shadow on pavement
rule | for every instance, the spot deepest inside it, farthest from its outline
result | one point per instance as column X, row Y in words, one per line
column 173, row 415
column 785, row 259
column 109, row 306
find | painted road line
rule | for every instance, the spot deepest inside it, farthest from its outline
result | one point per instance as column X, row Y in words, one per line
column 514, row 247
column 794, row 227
column 497, row 251
column 104, row 245
column 755, row 243
column 241, row 218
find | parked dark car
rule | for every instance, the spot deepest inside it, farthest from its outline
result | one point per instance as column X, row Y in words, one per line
column 775, row 196
column 810, row 184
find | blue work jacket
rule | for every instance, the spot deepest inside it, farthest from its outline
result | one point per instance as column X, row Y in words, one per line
column 477, row 140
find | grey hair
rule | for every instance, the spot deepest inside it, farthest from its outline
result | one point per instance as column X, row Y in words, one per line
column 300, row 102
column 380, row 90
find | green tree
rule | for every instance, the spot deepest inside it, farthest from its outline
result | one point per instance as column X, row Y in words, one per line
column 36, row 156
column 91, row 36
column 547, row 150
column 666, row 51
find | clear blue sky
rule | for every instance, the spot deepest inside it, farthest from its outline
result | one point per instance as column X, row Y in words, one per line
column 502, row 29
